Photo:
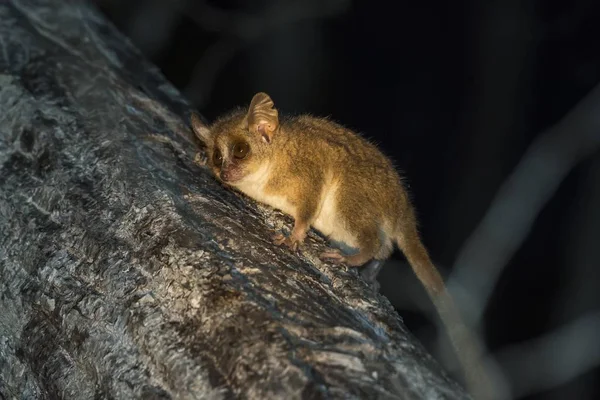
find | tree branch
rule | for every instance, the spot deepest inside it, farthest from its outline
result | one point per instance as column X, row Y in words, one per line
column 127, row 271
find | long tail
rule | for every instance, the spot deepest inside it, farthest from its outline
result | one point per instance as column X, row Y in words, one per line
column 468, row 348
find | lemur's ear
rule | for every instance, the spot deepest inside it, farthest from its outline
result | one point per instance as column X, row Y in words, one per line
column 201, row 131
column 262, row 117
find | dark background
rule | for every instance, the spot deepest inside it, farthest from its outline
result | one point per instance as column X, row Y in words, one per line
column 455, row 92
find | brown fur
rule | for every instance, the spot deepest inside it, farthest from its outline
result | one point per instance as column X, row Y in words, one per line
column 332, row 179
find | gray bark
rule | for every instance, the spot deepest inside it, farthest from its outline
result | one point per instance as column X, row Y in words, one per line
column 127, row 271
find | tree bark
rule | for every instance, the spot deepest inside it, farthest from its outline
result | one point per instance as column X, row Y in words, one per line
column 127, row 271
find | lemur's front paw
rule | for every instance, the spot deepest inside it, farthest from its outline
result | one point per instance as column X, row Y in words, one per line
column 288, row 241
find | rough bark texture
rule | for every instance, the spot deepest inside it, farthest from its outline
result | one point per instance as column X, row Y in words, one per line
column 127, row 271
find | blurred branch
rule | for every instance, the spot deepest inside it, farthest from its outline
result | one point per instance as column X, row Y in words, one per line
column 518, row 202
column 277, row 14
column 579, row 288
column 206, row 70
column 493, row 119
column 152, row 25
column 568, row 22
column 240, row 29
column 555, row 358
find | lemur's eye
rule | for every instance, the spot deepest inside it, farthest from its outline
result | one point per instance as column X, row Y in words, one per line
column 218, row 158
column 240, row 150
